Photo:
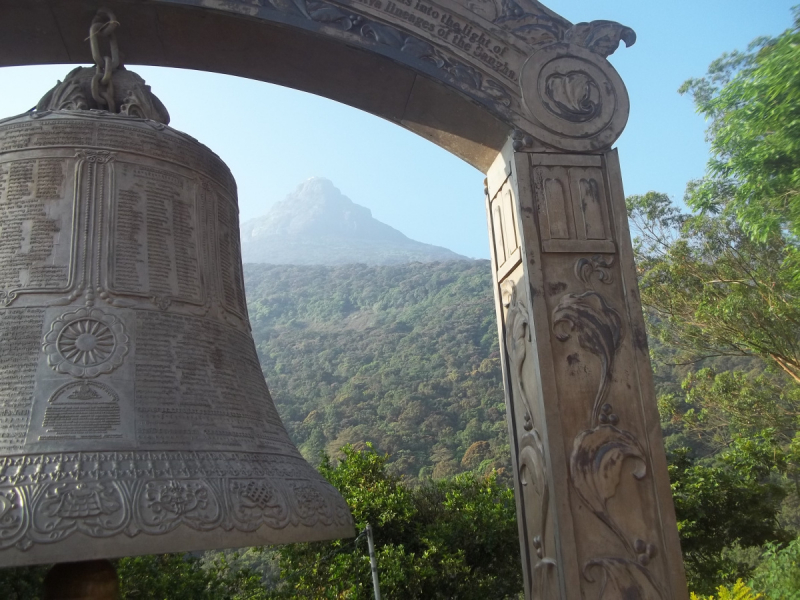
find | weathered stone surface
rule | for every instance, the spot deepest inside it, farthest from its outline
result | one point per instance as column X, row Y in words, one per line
column 463, row 74
column 133, row 410
column 595, row 511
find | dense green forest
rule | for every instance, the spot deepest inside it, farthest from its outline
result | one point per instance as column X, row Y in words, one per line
column 405, row 357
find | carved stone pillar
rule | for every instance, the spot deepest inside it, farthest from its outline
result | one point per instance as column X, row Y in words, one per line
column 595, row 512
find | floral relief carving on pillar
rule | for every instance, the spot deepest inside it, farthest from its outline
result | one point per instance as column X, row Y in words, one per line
column 605, row 453
column 532, row 461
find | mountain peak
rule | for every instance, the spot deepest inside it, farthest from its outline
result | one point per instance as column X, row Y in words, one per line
column 319, row 190
column 317, row 224
column 318, row 185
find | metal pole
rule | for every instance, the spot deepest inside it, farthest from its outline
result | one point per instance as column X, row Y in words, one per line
column 373, row 563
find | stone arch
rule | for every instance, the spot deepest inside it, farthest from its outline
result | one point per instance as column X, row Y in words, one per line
column 462, row 74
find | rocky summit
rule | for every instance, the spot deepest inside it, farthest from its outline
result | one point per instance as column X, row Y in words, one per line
column 318, row 225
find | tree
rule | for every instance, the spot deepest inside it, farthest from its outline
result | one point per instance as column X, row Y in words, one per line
column 726, row 502
column 157, row 577
column 184, row 577
column 448, row 539
column 403, row 356
column 22, row 583
column 752, row 101
column 779, row 572
column 739, row 591
column 711, row 293
column 712, row 290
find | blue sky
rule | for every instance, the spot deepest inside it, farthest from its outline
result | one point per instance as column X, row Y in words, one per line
column 273, row 138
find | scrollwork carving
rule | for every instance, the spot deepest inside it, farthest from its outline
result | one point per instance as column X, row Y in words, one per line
column 14, row 518
column 390, row 36
column 291, row 6
column 7, row 298
column 522, row 141
column 532, row 460
column 517, row 340
column 536, row 491
column 601, row 37
column 463, row 75
column 99, row 157
column 162, row 302
column 163, row 505
column 332, row 15
column 530, row 22
column 599, row 330
column 94, row 508
column 596, row 466
column 311, row 506
column 604, row 453
column 623, row 578
column 495, row 90
column 597, row 265
column 573, row 96
column 67, row 95
column 258, row 501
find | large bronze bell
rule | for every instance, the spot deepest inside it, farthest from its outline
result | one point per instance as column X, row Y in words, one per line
column 134, row 417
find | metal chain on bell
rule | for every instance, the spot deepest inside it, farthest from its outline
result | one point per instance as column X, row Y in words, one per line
column 103, row 27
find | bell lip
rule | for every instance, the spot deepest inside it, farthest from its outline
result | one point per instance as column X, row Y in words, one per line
column 80, row 547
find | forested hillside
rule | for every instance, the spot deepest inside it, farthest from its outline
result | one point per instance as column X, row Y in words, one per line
column 405, row 357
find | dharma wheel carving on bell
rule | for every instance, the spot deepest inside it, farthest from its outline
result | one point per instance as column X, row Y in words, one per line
column 134, row 416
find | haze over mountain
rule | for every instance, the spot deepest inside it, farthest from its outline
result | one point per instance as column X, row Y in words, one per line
column 318, row 225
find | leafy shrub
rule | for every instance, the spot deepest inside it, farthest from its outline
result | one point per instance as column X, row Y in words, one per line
column 739, row 591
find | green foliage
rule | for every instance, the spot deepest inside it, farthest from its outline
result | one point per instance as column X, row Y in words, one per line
column 405, row 357
column 725, row 502
column 732, row 403
column 711, row 290
column 22, row 583
column 448, row 539
column 752, row 100
column 779, row 572
column 724, row 283
column 732, row 275
column 714, row 295
column 183, row 577
column 739, row 591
